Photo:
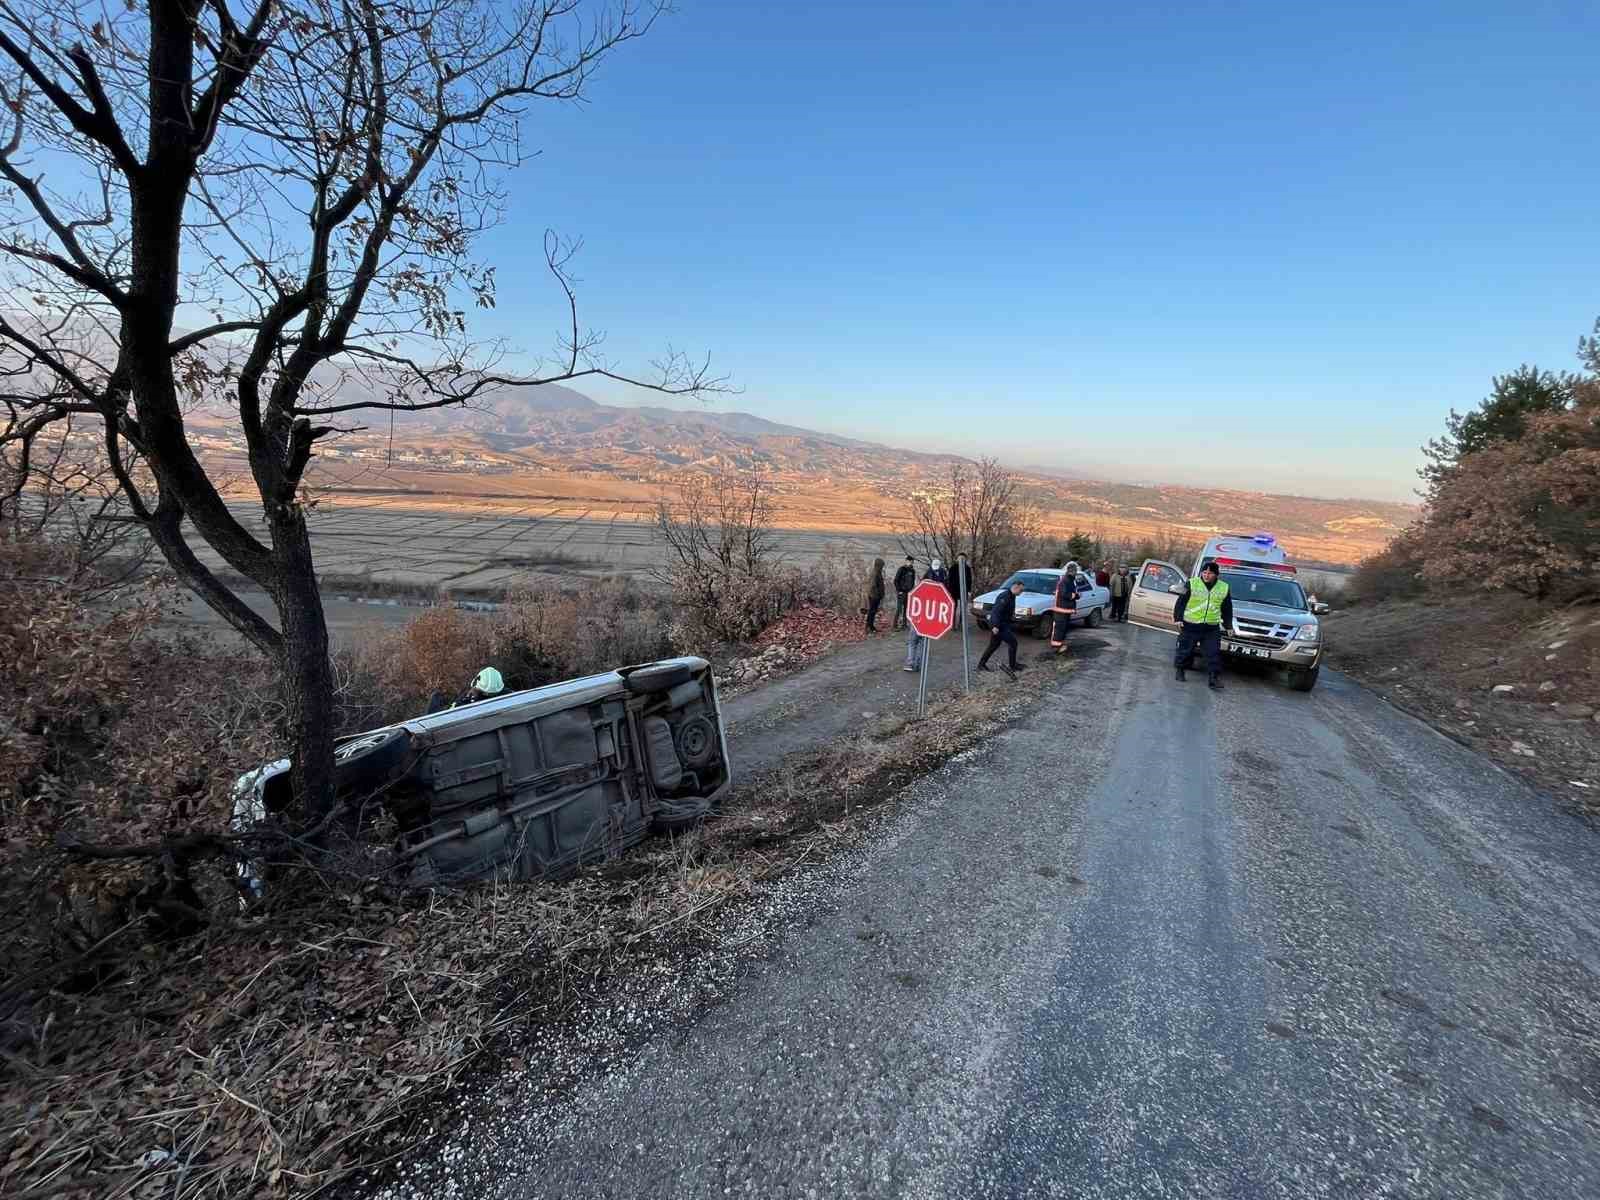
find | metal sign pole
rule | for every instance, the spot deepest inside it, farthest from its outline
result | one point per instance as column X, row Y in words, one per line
column 922, row 681
column 966, row 650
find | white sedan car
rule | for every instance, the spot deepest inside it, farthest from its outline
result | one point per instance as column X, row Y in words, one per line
column 1039, row 593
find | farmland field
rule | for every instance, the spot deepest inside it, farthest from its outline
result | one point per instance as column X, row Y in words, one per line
column 369, row 547
column 394, row 542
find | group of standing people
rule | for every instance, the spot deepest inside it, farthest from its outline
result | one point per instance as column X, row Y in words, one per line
column 1202, row 611
column 904, row 580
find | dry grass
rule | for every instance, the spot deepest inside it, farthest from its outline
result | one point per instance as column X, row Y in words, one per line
column 281, row 1051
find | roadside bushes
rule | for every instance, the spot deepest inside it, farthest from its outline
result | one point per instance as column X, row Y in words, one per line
column 1393, row 573
column 1513, row 495
column 541, row 634
column 722, row 570
column 112, row 734
column 1524, row 514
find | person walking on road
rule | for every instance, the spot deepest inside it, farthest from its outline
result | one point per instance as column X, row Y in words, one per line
column 1203, row 611
column 1062, row 610
column 1121, row 585
column 1002, row 619
column 904, row 580
column 875, row 593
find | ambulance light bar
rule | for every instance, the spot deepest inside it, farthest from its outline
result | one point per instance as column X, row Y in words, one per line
column 1281, row 568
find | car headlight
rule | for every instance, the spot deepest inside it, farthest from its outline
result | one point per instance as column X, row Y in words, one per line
column 1025, row 611
column 1308, row 633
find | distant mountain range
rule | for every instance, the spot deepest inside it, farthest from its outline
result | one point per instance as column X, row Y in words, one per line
column 550, row 421
column 522, row 441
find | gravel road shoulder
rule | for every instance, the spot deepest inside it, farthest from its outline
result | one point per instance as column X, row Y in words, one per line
column 1147, row 941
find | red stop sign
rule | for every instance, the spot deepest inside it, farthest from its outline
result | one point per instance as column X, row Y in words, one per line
column 930, row 609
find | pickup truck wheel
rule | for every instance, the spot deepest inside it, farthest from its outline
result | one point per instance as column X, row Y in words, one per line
column 370, row 760
column 1304, row 681
column 1092, row 621
column 647, row 681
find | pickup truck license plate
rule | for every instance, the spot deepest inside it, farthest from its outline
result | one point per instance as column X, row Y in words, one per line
column 1247, row 651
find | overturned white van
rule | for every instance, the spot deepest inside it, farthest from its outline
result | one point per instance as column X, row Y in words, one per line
column 529, row 783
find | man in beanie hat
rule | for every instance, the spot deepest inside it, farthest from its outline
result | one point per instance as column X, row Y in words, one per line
column 904, row 580
column 1203, row 611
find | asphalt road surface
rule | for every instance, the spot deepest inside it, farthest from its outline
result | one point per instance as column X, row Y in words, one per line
column 1154, row 942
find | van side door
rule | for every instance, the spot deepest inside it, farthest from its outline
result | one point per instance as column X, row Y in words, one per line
column 1152, row 599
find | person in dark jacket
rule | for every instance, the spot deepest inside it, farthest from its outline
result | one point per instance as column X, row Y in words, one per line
column 1002, row 618
column 1121, row 588
column 875, row 593
column 904, row 580
column 960, row 574
column 1062, row 610
column 938, row 574
column 1203, row 611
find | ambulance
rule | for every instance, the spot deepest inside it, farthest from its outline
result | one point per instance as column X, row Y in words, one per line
column 1274, row 621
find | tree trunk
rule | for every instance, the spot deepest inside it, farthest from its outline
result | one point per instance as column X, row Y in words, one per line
column 306, row 669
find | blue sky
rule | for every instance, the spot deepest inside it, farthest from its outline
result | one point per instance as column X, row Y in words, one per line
column 1264, row 245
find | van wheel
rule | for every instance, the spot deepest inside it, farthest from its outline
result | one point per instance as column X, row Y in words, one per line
column 370, row 760
column 675, row 816
column 1304, row 681
column 647, row 681
column 697, row 742
column 1092, row 621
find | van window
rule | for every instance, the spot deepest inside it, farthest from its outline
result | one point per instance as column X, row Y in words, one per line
column 1158, row 577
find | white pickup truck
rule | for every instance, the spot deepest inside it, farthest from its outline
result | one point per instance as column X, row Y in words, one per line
column 1039, row 593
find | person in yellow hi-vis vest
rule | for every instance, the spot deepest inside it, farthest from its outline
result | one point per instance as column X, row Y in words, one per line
column 1203, row 611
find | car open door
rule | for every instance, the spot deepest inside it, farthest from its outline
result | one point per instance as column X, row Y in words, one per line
column 1152, row 599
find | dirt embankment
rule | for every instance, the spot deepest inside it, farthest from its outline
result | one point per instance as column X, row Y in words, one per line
column 1513, row 678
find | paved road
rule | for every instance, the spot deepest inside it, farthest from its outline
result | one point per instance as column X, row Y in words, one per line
column 1154, row 943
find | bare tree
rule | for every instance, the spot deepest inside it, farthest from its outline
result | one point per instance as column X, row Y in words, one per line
column 981, row 512
column 70, row 526
column 721, row 557
column 270, row 206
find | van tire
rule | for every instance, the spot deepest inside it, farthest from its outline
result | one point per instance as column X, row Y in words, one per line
column 374, row 761
column 682, row 815
column 649, row 681
column 697, row 742
column 1092, row 621
column 1304, row 681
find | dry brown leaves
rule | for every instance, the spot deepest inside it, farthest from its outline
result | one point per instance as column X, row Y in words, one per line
column 281, row 1051
column 808, row 633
